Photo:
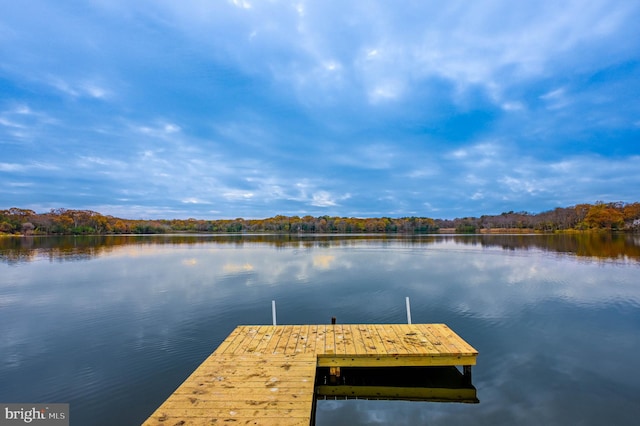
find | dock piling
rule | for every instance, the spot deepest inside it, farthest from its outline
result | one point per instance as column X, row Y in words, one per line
column 408, row 311
column 273, row 311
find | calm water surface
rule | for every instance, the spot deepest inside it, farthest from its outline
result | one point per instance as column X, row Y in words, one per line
column 112, row 325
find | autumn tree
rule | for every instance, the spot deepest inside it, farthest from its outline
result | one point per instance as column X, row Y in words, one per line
column 604, row 216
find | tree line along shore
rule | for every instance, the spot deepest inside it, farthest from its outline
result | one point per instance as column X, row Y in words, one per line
column 618, row 216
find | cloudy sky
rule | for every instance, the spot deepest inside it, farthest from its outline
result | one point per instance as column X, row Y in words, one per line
column 247, row 108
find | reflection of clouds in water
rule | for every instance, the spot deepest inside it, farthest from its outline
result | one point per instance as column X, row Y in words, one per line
column 481, row 283
column 234, row 268
column 323, row 261
column 542, row 323
column 376, row 412
column 489, row 285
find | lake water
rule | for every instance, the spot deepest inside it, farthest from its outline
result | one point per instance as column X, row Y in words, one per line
column 112, row 325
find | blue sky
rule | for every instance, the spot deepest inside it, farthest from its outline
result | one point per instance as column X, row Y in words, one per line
column 243, row 108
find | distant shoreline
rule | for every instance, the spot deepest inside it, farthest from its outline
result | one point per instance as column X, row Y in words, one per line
column 444, row 231
column 616, row 216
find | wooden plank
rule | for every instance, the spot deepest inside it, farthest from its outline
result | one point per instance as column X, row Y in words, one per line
column 247, row 371
column 239, row 345
column 258, row 377
column 311, row 339
column 341, row 339
column 183, row 401
column 330, row 340
column 281, row 391
column 349, row 340
column 359, row 346
column 303, row 338
column 226, row 395
column 388, row 341
column 425, row 340
column 275, row 340
column 394, row 361
column 321, row 338
column 294, row 340
column 265, row 337
column 460, row 343
column 415, row 340
column 402, row 341
column 228, row 341
column 229, row 382
column 261, row 337
column 226, row 413
column 281, row 348
column 166, row 420
column 237, row 342
column 168, row 417
column 447, row 340
column 433, row 339
column 372, row 340
column 256, row 358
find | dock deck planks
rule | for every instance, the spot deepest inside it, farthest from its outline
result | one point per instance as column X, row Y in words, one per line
column 265, row 375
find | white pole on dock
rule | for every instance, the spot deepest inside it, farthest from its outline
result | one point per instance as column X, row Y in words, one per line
column 273, row 311
column 408, row 311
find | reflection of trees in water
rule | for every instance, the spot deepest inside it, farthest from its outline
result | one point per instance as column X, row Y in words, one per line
column 24, row 249
column 603, row 245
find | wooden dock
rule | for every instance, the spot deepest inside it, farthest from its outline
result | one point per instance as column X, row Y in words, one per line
column 265, row 375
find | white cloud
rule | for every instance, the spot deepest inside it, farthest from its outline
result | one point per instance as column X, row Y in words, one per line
column 513, row 106
column 23, row 110
column 423, row 172
column 16, row 167
column 24, row 123
column 92, row 161
column 385, row 91
column 12, row 167
column 556, row 99
column 323, row 199
column 530, row 186
column 159, row 130
column 481, row 154
column 171, row 128
column 89, row 89
column 20, row 184
column 7, row 123
column 242, row 4
column 369, row 155
column 332, row 65
column 193, row 200
column 237, row 194
column 95, row 91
